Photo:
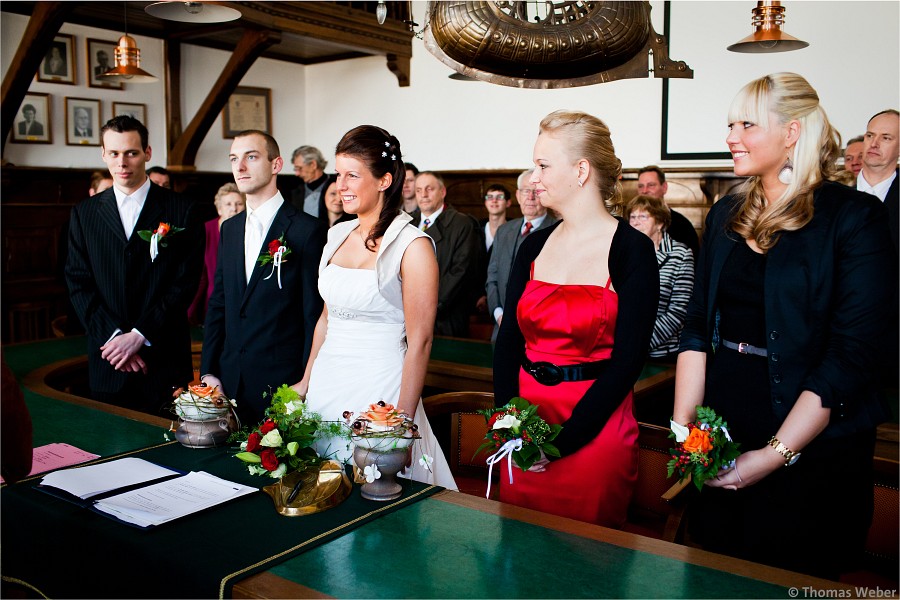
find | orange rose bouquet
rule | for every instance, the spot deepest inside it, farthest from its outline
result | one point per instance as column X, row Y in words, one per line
column 703, row 447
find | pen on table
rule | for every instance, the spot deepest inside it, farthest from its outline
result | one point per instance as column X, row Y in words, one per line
column 295, row 491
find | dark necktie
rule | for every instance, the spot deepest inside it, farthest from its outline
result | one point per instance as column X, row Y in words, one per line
column 527, row 229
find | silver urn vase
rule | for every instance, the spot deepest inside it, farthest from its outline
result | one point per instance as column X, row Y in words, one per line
column 390, row 455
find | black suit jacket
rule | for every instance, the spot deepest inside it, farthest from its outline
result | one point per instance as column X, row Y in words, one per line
column 35, row 128
column 459, row 249
column 892, row 202
column 258, row 336
column 827, row 303
column 114, row 285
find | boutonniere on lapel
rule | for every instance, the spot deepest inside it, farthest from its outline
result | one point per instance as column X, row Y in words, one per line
column 158, row 238
column 276, row 254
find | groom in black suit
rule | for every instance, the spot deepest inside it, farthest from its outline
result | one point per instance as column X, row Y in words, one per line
column 133, row 305
column 261, row 318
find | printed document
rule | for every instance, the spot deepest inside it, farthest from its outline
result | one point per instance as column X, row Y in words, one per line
column 85, row 482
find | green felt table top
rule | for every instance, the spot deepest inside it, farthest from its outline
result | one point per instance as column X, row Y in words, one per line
column 435, row 549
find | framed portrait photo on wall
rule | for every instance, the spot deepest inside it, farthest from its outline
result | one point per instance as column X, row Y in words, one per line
column 247, row 108
column 82, row 122
column 58, row 65
column 137, row 111
column 101, row 57
column 32, row 123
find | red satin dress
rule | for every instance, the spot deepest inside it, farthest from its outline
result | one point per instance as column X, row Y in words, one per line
column 564, row 325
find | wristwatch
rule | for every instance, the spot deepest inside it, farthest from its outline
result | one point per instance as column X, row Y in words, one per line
column 790, row 457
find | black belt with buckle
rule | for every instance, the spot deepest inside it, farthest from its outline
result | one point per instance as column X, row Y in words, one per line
column 745, row 348
column 547, row 373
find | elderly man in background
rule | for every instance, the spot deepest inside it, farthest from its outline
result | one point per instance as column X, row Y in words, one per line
column 509, row 237
column 652, row 182
column 458, row 248
column 879, row 171
column 309, row 165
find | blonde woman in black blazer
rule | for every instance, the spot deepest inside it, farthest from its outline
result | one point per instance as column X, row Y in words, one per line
column 792, row 270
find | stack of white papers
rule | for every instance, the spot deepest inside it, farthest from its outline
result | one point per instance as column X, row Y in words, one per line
column 92, row 480
column 163, row 502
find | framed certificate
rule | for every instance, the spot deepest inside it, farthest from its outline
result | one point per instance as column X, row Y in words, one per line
column 247, row 108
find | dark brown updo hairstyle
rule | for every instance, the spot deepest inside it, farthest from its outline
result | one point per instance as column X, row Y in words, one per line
column 380, row 151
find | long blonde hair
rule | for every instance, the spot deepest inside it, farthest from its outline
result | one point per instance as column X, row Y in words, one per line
column 589, row 138
column 788, row 97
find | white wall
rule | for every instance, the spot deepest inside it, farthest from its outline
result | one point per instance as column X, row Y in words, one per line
column 58, row 154
column 445, row 124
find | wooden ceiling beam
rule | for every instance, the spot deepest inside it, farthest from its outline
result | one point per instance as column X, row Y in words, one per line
column 44, row 24
column 254, row 42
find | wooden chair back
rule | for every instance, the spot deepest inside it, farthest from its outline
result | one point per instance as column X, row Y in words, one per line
column 467, row 431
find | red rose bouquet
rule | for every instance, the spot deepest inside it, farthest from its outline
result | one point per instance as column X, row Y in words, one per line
column 704, row 447
column 283, row 441
column 516, row 430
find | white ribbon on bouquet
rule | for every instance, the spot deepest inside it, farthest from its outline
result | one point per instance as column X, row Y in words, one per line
column 154, row 246
column 276, row 264
column 505, row 451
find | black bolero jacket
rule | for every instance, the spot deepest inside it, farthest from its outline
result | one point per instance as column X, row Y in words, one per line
column 829, row 291
column 635, row 279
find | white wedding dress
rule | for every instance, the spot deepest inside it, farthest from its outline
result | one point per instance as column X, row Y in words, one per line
column 361, row 359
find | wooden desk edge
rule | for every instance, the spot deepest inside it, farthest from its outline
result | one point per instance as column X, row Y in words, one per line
column 686, row 554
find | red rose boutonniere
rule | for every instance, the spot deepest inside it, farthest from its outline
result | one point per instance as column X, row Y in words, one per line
column 276, row 253
column 159, row 237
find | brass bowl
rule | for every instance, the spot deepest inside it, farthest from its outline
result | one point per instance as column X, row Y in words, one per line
column 321, row 487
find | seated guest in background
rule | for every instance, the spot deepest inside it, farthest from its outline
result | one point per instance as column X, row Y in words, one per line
column 160, row 176
column 229, row 201
column 853, row 155
column 458, row 250
column 782, row 338
column 582, row 296
column 100, row 181
column 496, row 201
column 334, row 204
column 134, row 305
column 652, row 217
column 507, row 241
column 309, row 165
column 652, row 182
column 409, row 189
column 15, row 422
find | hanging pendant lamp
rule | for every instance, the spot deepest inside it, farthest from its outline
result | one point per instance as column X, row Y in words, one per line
column 768, row 19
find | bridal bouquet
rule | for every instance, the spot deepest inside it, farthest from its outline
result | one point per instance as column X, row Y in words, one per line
column 283, row 441
column 703, row 448
column 517, row 430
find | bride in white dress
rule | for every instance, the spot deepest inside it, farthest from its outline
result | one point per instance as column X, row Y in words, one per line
column 379, row 279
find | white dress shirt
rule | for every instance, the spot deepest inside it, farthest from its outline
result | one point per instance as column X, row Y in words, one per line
column 879, row 189
column 431, row 218
column 262, row 217
column 130, row 206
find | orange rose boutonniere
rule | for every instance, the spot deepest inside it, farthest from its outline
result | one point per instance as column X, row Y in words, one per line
column 159, row 237
column 703, row 448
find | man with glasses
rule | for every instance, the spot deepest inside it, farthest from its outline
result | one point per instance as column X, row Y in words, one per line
column 496, row 201
column 507, row 242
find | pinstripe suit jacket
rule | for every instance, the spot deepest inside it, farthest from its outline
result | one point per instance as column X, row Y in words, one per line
column 258, row 335
column 114, row 285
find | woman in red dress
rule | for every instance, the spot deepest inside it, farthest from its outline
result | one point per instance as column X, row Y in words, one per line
column 585, row 293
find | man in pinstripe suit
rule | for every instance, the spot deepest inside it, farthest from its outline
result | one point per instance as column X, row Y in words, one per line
column 134, row 304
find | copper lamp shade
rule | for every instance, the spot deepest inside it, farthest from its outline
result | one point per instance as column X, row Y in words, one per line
column 128, row 64
column 192, row 12
column 768, row 19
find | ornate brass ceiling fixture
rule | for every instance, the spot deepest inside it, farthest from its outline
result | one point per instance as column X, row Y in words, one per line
column 577, row 42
